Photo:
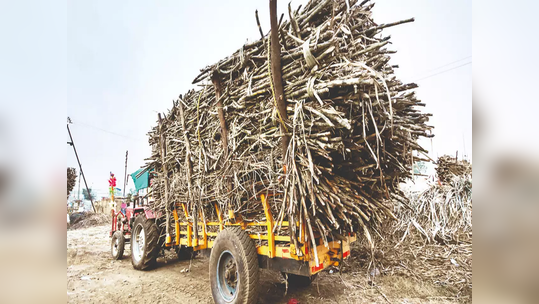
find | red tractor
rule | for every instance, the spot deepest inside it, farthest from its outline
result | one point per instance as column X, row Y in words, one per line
column 136, row 217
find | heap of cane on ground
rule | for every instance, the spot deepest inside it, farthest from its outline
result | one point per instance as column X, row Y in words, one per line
column 351, row 127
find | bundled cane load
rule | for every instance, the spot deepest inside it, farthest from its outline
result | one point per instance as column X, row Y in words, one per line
column 331, row 158
column 449, row 167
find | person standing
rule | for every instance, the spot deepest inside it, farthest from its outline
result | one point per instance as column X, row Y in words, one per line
column 124, row 207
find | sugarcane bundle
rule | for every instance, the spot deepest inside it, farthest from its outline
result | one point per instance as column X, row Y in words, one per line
column 331, row 159
column 448, row 167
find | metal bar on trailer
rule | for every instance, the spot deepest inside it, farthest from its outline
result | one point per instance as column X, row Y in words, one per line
column 269, row 221
column 280, row 238
column 220, row 216
column 177, row 226
column 189, row 227
column 204, row 234
column 232, row 224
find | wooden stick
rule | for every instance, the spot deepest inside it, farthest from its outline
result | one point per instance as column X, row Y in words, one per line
column 162, row 144
column 224, row 132
column 258, row 23
column 276, row 73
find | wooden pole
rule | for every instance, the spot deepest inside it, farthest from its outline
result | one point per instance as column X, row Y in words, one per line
column 162, row 144
column 276, row 73
column 221, row 113
column 224, row 131
column 189, row 176
column 187, row 150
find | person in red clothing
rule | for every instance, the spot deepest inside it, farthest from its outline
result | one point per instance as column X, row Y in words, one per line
column 124, row 207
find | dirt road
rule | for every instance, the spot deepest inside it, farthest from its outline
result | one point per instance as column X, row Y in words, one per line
column 93, row 277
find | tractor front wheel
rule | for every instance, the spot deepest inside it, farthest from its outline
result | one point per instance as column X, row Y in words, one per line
column 117, row 245
column 234, row 268
column 144, row 243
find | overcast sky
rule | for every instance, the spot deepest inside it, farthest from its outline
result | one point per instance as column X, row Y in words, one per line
column 127, row 61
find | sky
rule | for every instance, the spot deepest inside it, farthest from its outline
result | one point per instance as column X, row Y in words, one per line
column 127, row 61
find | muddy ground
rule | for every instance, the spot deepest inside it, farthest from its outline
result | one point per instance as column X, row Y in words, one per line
column 93, row 277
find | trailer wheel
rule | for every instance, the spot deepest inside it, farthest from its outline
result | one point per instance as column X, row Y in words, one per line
column 117, row 245
column 185, row 253
column 234, row 268
column 298, row 281
column 144, row 243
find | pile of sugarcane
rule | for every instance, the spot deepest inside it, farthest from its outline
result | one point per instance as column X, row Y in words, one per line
column 440, row 213
column 449, row 167
column 327, row 131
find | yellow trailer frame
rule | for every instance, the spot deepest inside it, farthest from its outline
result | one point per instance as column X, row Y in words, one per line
column 281, row 256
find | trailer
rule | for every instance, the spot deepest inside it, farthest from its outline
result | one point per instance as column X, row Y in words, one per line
column 235, row 255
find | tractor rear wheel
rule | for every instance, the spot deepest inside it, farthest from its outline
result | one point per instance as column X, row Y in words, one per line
column 144, row 243
column 234, row 268
column 117, row 245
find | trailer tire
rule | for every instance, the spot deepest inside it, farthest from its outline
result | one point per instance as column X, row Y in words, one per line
column 117, row 245
column 298, row 281
column 144, row 243
column 234, row 270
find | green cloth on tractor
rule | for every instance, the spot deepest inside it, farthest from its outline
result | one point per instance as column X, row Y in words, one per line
column 141, row 181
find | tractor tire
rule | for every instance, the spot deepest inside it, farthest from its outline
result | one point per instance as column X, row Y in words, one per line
column 117, row 245
column 234, row 269
column 298, row 281
column 185, row 253
column 144, row 243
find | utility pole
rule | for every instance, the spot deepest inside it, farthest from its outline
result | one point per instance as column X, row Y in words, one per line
column 72, row 143
column 125, row 174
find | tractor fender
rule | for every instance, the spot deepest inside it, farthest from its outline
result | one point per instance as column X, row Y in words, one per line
column 149, row 214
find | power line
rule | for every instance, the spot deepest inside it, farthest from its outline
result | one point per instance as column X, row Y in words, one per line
column 444, row 71
column 421, row 74
column 102, row 130
column 447, row 64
